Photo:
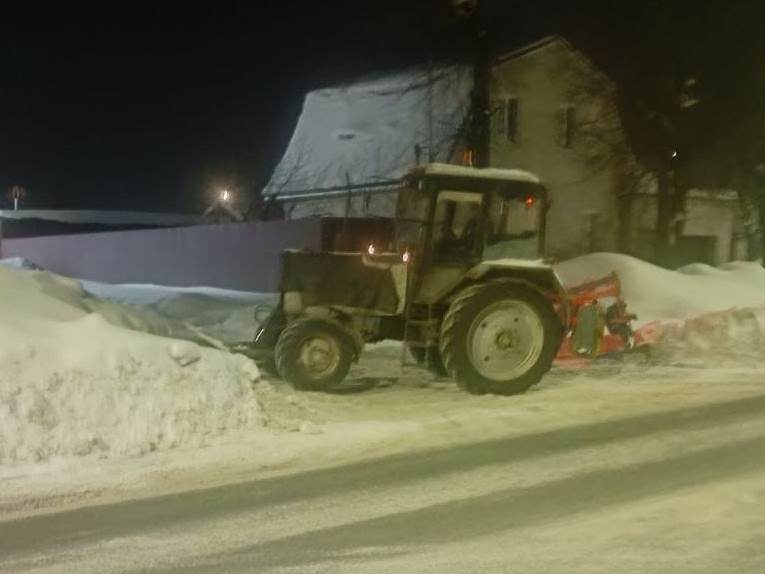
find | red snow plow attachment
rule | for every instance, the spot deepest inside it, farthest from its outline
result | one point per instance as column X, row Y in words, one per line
column 600, row 323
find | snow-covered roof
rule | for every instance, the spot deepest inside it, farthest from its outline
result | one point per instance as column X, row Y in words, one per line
column 367, row 133
column 485, row 173
column 103, row 217
column 533, row 47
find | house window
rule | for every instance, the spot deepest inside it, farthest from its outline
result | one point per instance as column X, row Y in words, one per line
column 566, row 125
column 511, row 119
column 504, row 120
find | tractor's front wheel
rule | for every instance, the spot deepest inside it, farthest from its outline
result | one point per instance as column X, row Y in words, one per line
column 313, row 354
column 499, row 338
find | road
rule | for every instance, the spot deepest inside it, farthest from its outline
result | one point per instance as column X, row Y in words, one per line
column 676, row 491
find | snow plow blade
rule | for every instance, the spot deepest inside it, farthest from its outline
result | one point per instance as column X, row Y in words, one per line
column 600, row 324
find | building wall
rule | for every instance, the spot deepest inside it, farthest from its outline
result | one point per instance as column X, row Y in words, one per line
column 241, row 256
column 709, row 215
column 582, row 172
column 640, row 223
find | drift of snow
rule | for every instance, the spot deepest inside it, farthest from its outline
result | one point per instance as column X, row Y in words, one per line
column 73, row 383
column 725, row 338
column 227, row 316
column 18, row 263
column 655, row 293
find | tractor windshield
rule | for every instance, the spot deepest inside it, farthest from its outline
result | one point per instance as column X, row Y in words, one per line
column 515, row 222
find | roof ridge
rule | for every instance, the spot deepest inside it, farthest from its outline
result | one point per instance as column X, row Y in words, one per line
column 537, row 44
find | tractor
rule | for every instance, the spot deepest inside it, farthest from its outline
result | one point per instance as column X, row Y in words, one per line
column 463, row 285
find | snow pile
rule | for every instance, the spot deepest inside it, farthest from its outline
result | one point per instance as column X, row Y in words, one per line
column 73, row 383
column 719, row 339
column 18, row 263
column 655, row 293
column 225, row 315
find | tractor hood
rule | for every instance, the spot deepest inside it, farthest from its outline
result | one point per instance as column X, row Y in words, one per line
column 358, row 281
column 517, row 263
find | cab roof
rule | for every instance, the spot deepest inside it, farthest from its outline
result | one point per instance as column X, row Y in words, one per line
column 445, row 169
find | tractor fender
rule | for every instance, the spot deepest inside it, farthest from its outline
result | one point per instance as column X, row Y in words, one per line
column 494, row 280
column 538, row 275
column 560, row 299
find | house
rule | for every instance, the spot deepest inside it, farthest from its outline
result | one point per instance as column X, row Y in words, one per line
column 353, row 142
column 552, row 112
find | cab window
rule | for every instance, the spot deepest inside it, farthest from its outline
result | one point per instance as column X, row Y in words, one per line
column 514, row 227
column 456, row 224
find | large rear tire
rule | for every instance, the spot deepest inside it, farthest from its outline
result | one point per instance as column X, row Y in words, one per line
column 499, row 338
column 314, row 354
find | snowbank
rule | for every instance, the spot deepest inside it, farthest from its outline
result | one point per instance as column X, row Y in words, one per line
column 18, row 263
column 74, row 383
column 228, row 316
column 721, row 339
column 655, row 293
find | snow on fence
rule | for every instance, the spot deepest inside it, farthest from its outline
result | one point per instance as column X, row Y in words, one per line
column 240, row 256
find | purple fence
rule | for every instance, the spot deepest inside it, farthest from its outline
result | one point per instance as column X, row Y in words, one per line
column 242, row 256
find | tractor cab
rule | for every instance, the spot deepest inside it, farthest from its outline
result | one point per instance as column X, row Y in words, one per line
column 452, row 220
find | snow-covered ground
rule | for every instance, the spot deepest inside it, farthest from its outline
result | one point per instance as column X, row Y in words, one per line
column 627, row 468
column 187, row 459
column 95, row 412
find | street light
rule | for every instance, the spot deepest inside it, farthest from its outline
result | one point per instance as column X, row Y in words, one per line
column 17, row 193
column 225, row 200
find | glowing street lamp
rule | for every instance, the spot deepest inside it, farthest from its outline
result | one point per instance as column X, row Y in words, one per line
column 16, row 193
column 224, row 199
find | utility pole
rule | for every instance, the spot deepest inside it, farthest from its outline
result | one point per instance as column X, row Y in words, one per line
column 479, row 133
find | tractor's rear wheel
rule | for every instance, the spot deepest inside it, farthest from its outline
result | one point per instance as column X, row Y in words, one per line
column 313, row 354
column 499, row 338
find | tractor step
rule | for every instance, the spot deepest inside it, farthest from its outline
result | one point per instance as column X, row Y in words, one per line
column 419, row 344
column 425, row 322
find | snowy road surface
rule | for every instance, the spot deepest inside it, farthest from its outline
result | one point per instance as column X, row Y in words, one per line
column 672, row 479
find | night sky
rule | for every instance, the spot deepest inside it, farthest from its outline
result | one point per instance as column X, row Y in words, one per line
column 151, row 107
